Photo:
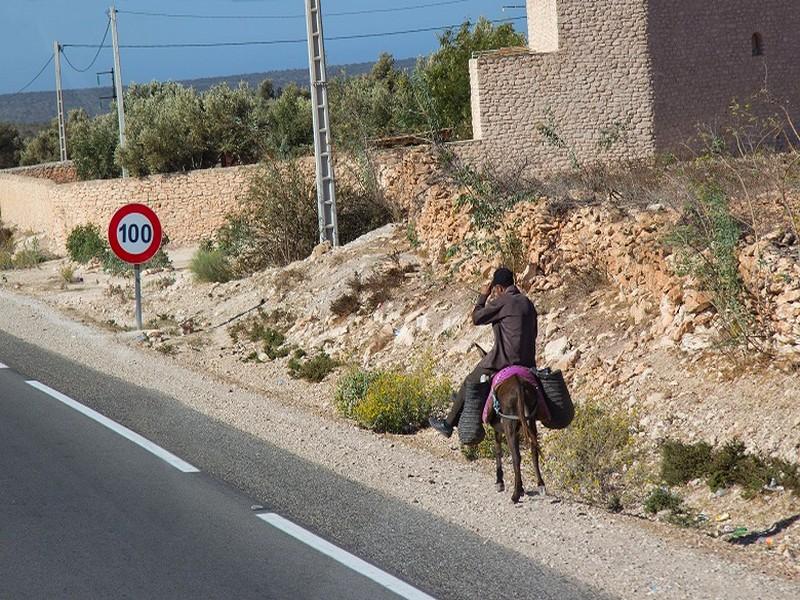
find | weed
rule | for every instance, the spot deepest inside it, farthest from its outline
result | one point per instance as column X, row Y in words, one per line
column 314, row 369
column 662, row 499
column 167, row 349
column 31, row 255
column 162, row 283
column 261, row 328
column 706, row 241
column 210, row 266
column 67, row 274
column 121, row 292
column 411, row 234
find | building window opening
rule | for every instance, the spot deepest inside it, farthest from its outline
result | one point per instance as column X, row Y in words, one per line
column 758, row 45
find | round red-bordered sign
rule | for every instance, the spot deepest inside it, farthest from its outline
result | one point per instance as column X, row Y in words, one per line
column 134, row 233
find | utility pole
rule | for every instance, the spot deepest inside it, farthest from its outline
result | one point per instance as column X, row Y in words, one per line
column 112, row 14
column 326, row 184
column 62, row 127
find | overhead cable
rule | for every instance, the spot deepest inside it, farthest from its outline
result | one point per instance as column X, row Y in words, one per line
column 302, row 40
column 348, row 13
column 39, row 74
column 94, row 60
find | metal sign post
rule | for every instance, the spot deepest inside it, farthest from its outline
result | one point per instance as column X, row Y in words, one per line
column 137, row 292
column 134, row 235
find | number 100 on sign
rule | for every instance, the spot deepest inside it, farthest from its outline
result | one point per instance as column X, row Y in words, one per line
column 135, row 233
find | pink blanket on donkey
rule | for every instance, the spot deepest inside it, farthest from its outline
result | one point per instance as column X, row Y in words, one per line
column 523, row 373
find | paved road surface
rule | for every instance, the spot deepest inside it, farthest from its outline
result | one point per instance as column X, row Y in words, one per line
column 86, row 512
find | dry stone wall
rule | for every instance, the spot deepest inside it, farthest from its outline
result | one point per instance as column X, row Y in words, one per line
column 59, row 172
column 190, row 205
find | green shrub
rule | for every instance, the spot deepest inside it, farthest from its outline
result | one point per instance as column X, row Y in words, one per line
column 314, row 369
column 85, row 243
column 210, row 266
column 589, row 458
column 725, row 466
column 352, row 389
column 486, row 448
column 114, row 266
column 400, row 402
column 662, row 499
column 681, row 463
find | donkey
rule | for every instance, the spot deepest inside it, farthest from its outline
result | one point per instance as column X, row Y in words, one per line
column 517, row 402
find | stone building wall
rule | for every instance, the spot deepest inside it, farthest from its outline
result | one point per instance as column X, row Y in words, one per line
column 660, row 68
column 702, row 57
column 595, row 83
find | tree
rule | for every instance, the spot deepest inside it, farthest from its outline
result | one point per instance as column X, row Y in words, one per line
column 165, row 129
column 43, row 147
column 267, row 91
column 232, row 127
column 288, row 122
column 10, row 146
column 445, row 74
column 93, row 143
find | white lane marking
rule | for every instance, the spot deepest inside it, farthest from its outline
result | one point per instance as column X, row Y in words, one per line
column 137, row 439
column 391, row 583
column 2, row 366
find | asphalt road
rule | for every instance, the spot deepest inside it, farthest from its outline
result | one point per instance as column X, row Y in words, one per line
column 87, row 513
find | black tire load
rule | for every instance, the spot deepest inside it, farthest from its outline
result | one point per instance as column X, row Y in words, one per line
column 470, row 424
column 557, row 397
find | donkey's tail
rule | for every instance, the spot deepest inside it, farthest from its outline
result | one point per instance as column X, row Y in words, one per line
column 521, row 412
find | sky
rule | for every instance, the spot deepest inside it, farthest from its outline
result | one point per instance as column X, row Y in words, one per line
column 31, row 26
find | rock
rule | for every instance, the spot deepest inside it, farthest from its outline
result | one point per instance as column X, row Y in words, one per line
column 320, row 249
column 405, row 337
column 555, row 350
column 695, row 302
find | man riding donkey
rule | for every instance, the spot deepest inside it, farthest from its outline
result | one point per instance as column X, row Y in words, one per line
column 513, row 318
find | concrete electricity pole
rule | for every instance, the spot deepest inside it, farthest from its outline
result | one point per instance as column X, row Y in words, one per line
column 62, row 127
column 326, row 184
column 112, row 14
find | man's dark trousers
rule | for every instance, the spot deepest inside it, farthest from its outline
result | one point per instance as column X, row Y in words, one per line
column 473, row 378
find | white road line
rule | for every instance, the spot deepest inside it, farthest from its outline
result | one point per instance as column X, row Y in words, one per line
column 2, row 366
column 137, row 439
column 391, row 583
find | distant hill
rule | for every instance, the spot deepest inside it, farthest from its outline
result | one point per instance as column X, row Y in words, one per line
column 40, row 107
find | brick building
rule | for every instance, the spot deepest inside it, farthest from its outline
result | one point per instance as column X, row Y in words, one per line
column 651, row 70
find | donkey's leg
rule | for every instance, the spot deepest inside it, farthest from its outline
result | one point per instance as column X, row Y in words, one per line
column 512, row 435
column 535, row 456
column 498, row 456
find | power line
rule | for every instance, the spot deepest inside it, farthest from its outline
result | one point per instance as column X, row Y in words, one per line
column 297, row 16
column 94, row 60
column 39, row 74
column 357, row 36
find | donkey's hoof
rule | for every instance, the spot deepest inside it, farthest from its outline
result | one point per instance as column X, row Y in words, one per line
column 515, row 498
column 500, row 487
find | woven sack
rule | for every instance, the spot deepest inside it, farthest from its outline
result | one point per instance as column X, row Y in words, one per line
column 557, row 397
column 470, row 424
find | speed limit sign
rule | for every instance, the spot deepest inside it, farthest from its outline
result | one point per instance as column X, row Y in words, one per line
column 135, row 233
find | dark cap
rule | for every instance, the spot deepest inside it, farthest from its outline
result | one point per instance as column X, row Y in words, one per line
column 504, row 277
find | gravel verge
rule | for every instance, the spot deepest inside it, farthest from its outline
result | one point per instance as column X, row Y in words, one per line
column 609, row 552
